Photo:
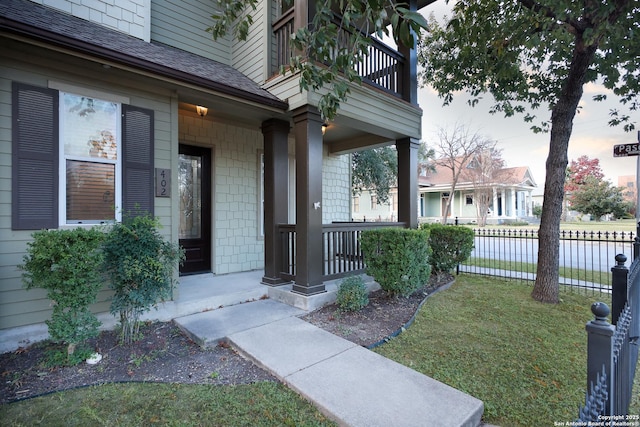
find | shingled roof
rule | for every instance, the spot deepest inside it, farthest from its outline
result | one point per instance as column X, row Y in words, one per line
column 33, row 21
column 443, row 176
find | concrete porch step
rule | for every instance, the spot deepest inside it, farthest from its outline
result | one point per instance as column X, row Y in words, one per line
column 210, row 327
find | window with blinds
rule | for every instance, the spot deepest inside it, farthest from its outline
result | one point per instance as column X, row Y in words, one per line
column 89, row 133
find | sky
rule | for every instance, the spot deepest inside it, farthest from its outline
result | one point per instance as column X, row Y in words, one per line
column 591, row 135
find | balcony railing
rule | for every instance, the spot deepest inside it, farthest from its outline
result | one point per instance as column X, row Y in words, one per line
column 381, row 67
column 341, row 251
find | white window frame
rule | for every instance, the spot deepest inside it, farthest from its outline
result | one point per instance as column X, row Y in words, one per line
column 63, row 157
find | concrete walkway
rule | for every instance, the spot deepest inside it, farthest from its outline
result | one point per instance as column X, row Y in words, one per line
column 348, row 383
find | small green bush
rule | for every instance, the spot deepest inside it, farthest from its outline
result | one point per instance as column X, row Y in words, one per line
column 451, row 245
column 66, row 263
column 397, row 258
column 140, row 264
column 352, row 294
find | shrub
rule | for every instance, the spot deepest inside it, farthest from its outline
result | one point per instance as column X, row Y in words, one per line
column 140, row 264
column 352, row 294
column 451, row 245
column 398, row 259
column 66, row 263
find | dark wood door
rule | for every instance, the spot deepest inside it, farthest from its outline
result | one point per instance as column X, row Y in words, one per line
column 195, row 208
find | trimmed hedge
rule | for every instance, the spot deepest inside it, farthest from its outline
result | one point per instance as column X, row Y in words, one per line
column 451, row 245
column 352, row 294
column 397, row 258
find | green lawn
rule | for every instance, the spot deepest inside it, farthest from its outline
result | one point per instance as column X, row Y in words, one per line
column 525, row 360
column 598, row 277
column 485, row 336
column 135, row 404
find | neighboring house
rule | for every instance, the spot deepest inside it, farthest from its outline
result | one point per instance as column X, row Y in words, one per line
column 509, row 198
column 509, row 194
column 132, row 104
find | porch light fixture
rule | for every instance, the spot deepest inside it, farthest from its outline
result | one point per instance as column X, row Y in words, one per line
column 324, row 128
column 202, row 111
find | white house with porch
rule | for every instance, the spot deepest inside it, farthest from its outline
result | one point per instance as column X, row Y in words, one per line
column 511, row 191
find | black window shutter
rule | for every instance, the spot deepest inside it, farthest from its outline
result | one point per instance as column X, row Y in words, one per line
column 34, row 172
column 137, row 160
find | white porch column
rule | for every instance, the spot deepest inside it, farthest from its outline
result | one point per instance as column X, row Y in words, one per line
column 530, row 204
column 513, row 203
column 494, row 207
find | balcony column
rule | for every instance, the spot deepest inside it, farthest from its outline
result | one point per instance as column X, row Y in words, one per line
column 276, row 198
column 309, row 259
column 409, row 75
column 408, row 181
column 303, row 13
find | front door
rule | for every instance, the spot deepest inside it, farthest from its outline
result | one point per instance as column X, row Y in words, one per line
column 195, row 208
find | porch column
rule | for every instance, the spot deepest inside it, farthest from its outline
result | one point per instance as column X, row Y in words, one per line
column 494, row 212
column 409, row 77
column 276, row 197
column 513, row 212
column 408, row 181
column 309, row 259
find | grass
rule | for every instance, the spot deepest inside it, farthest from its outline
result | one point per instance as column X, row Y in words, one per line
column 140, row 404
column 487, row 337
column 598, row 277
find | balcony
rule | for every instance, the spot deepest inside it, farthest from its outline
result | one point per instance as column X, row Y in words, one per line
column 382, row 68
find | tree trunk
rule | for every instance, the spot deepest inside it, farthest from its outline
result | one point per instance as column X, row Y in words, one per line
column 547, row 275
column 447, row 209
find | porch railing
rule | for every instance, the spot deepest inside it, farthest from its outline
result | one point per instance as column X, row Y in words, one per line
column 612, row 350
column 341, row 251
column 382, row 67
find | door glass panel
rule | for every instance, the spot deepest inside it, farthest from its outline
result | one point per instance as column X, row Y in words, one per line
column 190, row 197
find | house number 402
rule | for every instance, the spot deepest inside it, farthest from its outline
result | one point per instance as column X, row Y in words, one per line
column 163, row 182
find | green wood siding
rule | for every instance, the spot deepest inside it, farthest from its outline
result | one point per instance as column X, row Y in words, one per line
column 18, row 306
column 183, row 23
column 250, row 57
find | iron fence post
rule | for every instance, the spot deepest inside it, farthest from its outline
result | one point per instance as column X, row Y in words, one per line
column 636, row 242
column 619, row 284
column 600, row 350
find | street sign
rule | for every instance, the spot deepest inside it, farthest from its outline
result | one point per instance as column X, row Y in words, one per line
column 626, row 150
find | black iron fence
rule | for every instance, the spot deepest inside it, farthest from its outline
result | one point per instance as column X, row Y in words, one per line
column 585, row 256
column 612, row 351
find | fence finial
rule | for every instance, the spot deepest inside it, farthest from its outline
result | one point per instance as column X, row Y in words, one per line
column 600, row 310
column 620, row 260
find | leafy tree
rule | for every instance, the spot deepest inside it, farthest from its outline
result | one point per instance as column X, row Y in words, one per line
column 375, row 170
column 537, row 210
column 579, row 170
column 597, row 198
column 538, row 53
column 455, row 148
column 328, row 56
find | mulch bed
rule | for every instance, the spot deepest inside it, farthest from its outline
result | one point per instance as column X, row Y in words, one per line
column 165, row 354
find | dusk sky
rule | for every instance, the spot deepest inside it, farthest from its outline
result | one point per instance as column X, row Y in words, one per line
column 520, row 146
